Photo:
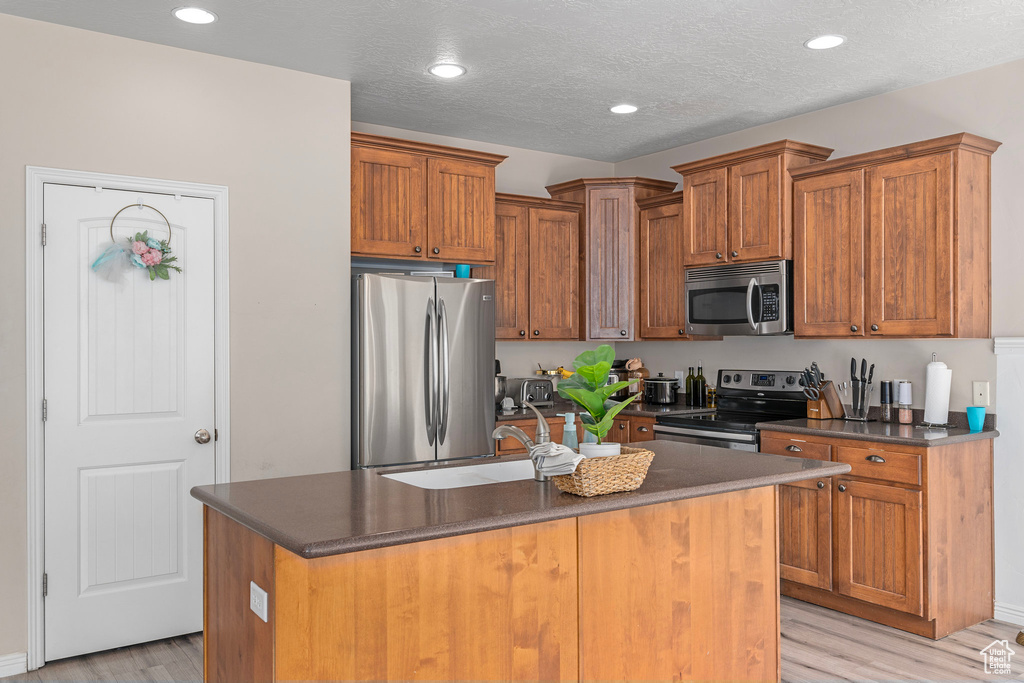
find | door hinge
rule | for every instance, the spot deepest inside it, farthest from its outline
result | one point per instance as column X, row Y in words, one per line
column 44, row 234
column 44, row 410
column 215, row 435
column 46, row 586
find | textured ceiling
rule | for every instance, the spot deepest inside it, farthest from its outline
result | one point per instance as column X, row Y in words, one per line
column 543, row 73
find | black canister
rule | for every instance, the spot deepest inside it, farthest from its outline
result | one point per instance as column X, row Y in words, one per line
column 888, row 414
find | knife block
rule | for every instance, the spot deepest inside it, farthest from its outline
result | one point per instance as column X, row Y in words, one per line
column 829, row 406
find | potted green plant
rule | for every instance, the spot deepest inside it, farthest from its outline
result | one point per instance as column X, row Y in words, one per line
column 588, row 388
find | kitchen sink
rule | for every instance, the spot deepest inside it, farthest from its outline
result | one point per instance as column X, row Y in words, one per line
column 469, row 475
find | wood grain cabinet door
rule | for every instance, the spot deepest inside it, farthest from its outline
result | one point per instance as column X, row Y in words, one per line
column 910, row 233
column 805, row 532
column 828, row 255
column 460, row 217
column 510, row 272
column 611, row 249
column 705, row 226
column 554, row 274
column 662, row 301
column 755, row 210
column 389, row 203
column 879, row 545
column 620, row 432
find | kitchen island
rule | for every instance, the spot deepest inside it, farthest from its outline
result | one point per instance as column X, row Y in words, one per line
column 371, row 578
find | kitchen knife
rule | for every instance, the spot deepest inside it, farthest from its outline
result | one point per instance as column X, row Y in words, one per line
column 871, row 372
column 817, row 374
column 863, row 369
column 853, row 369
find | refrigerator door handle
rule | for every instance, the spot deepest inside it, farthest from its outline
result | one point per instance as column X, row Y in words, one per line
column 430, row 385
column 445, row 375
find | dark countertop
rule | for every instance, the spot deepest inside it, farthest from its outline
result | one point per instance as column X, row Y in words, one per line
column 634, row 409
column 885, row 432
column 342, row 512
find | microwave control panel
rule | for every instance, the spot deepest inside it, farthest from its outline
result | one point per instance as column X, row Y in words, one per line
column 769, row 303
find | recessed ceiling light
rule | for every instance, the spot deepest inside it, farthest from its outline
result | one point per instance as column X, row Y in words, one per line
column 623, row 109
column 195, row 15
column 825, row 42
column 447, row 70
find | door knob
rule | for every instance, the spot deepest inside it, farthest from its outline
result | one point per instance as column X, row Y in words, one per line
column 842, row 487
column 853, row 328
column 522, row 333
column 681, row 332
column 735, row 254
column 718, row 254
column 622, row 333
column 202, row 436
column 418, row 249
column 436, row 250
column 874, row 328
column 821, row 484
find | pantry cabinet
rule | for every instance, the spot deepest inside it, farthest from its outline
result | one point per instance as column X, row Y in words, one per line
column 412, row 200
column 738, row 206
column 904, row 539
column 895, row 243
column 536, row 268
column 608, row 262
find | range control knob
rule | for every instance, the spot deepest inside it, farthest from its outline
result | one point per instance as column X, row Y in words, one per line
column 726, row 379
column 790, row 379
column 736, row 377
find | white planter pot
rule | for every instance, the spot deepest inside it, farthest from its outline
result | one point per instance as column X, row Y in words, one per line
column 600, row 450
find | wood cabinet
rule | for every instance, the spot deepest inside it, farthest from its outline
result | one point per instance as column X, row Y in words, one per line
column 536, row 268
column 609, row 251
column 895, row 243
column 738, row 206
column 662, row 302
column 412, row 200
column 631, row 430
column 904, row 539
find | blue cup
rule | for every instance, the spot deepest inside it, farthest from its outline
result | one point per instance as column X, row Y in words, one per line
column 976, row 417
column 462, row 270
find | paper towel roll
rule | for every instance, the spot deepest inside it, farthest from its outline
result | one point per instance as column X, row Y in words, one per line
column 938, row 379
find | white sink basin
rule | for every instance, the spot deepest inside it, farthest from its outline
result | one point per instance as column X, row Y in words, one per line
column 470, row 475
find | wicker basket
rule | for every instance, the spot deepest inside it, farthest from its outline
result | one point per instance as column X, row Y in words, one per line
column 610, row 474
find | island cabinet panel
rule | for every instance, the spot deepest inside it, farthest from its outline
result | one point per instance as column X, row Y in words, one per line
column 495, row 605
column 389, row 203
column 895, row 243
column 681, row 591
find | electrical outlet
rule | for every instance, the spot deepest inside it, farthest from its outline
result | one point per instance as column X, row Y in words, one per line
column 258, row 600
column 980, row 395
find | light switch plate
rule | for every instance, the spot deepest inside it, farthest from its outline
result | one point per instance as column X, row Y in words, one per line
column 980, row 394
column 258, row 600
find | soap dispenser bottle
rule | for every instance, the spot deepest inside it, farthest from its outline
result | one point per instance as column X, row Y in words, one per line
column 569, row 438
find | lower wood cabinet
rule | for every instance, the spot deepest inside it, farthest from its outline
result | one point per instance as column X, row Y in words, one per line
column 904, row 539
column 625, row 430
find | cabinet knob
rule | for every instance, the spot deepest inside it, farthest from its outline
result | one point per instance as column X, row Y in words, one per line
column 842, row 487
column 853, row 328
column 821, row 484
column 874, row 328
column 875, row 458
column 735, row 254
column 642, row 429
column 417, row 249
column 718, row 254
column 682, row 332
column 794, row 448
column 622, row 333
column 622, row 426
column 436, row 250
column 536, row 333
column 522, row 333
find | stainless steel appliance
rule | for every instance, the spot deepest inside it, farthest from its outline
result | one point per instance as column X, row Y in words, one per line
column 539, row 392
column 500, row 383
column 740, row 299
column 422, row 363
column 660, row 389
column 745, row 397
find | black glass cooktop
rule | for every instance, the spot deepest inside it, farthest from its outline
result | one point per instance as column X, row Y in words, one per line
column 739, row 422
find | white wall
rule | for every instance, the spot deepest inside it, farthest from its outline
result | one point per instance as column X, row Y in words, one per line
column 279, row 140
column 1009, row 492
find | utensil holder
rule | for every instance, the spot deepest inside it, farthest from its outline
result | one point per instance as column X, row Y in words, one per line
column 860, row 414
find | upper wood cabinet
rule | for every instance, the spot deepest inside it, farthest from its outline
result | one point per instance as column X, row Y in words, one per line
column 609, row 253
column 895, row 243
column 536, row 268
column 412, row 200
column 738, row 206
column 662, row 309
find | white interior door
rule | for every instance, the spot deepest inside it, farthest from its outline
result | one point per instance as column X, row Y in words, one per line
column 129, row 379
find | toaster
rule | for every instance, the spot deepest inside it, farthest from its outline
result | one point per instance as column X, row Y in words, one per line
column 539, row 392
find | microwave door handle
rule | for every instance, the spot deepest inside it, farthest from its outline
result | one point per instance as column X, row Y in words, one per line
column 750, row 303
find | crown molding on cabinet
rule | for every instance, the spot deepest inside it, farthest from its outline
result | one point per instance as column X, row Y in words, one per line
column 391, row 144
column 770, row 149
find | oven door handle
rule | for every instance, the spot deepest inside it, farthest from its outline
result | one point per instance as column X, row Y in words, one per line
column 750, row 302
column 686, row 431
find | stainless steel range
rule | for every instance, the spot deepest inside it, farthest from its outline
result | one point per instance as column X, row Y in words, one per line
column 745, row 397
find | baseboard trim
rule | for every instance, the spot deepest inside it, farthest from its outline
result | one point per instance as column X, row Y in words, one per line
column 1013, row 614
column 12, row 665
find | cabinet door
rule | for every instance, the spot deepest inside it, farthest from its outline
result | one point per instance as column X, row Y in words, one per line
column 611, row 250
column 619, row 433
column 460, row 220
column 662, row 302
column 509, row 446
column 705, row 230
column 554, row 274
column 389, row 203
column 510, row 271
column 910, row 233
column 805, row 532
column 828, row 255
column 640, row 429
column 755, row 210
column 879, row 545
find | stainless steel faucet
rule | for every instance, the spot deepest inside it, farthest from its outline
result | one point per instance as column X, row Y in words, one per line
column 543, row 436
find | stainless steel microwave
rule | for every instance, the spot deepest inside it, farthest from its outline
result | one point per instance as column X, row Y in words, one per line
column 753, row 299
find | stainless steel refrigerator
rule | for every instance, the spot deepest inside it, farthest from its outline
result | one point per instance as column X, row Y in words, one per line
column 422, row 369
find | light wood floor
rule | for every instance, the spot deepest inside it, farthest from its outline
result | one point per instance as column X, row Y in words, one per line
column 817, row 645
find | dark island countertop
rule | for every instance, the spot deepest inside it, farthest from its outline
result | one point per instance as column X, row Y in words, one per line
column 634, row 409
column 342, row 512
column 884, row 432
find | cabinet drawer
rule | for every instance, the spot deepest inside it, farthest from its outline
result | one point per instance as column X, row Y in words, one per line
column 781, row 445
column 872, row 463
column 641, row 429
